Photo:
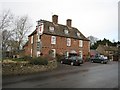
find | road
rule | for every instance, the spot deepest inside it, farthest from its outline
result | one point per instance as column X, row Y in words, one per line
column 88, row 75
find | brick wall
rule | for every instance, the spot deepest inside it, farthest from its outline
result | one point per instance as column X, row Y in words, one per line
column 27, row 47
column 60, row 46
column 86, row 49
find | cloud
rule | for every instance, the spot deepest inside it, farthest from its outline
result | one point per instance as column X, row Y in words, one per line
column 92, row 17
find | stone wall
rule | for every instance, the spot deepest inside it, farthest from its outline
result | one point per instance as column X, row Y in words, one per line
column 19, row 68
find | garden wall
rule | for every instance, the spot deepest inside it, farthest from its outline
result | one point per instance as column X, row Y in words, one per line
column 19, row 68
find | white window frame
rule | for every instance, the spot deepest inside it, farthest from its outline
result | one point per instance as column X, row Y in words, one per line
column 81, row 54
column 78, row 34
column 53, row 39
column 31, row 52
column 67, row 54
column 51, row 29
column 68, row 42
column 54, row 53
column 66, row 31
column 38, row 38
column 80, row 43
column 38, row 53
column 31, row 39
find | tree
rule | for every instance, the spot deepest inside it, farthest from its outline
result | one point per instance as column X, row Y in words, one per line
column 5, row 39
column 22, row 26
column 92, row 40
column 13, row 31
column 6, row 20
column 103, row 42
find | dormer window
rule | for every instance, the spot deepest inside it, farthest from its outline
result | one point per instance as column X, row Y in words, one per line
column 51, row 29
column 78, row 34
column 66, row 31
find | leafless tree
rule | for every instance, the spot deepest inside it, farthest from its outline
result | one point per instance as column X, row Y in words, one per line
column 13, row 31
column 5, row 39
column 22, row 26
column 6, row 20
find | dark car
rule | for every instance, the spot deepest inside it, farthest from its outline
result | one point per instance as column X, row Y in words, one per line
column 99, row 60
column 73, row 60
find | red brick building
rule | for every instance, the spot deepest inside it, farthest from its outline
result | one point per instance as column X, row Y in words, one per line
column 53, row 38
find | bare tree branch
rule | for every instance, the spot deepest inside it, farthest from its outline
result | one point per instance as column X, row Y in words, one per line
column 5, row 20
column 13, row 30
column 22, row 27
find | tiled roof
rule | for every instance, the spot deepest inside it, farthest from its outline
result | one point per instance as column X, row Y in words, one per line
column 25, row 44
column 59, row 31
column 108, row 48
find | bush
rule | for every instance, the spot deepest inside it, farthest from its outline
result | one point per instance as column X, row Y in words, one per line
column 27, row 58
column 59, row 57
column 18, row 59
column 39, row 61
column 49, row 57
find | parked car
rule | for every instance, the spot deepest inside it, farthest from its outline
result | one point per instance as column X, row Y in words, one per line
column 99, row 60
column 73, row 60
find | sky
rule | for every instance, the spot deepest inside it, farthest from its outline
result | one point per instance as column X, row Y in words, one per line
column 98, row 18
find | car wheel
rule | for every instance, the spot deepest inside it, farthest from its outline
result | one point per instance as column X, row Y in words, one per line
column 72, row 63
column 105, row 62
column 102, row 62
column 61, row 62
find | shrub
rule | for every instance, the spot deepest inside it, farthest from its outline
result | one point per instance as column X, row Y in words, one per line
column 49, row 57
column 59, row 57
column 18, row 59
column 39, row 61
column 27, row 58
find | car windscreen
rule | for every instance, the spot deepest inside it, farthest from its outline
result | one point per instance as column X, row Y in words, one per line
column 79, row 58
column 72, row 58
column 101, row 58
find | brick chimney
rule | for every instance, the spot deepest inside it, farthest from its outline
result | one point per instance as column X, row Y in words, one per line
column 55, row 19
column 69, row 23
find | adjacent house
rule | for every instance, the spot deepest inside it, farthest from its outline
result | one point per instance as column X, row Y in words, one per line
column 93, row 53
column 51, row 38
column 109, row 51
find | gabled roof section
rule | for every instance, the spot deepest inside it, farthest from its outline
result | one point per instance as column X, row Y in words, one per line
column 59, row 31
column 34, row 32
column 26, row 44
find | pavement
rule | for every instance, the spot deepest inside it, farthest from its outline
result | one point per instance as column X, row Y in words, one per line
column 88, row 75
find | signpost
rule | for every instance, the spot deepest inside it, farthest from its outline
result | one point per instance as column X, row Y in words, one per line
column 39, row 33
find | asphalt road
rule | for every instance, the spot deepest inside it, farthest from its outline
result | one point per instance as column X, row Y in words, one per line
column 88, row 75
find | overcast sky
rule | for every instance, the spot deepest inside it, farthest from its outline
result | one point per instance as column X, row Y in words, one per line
column 98, row 18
